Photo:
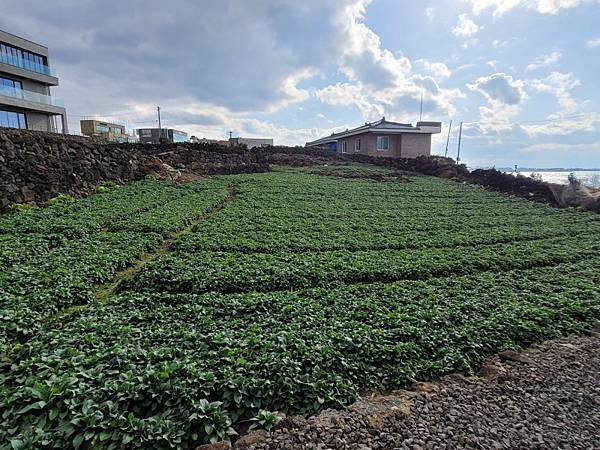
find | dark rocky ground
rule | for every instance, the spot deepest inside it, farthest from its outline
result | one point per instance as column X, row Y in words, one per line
column 547, row 397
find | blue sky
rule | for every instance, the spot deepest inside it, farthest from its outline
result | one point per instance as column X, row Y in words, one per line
column 521, row 74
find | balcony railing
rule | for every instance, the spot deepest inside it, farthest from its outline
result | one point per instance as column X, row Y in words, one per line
column 26, row 64
column 29, row 96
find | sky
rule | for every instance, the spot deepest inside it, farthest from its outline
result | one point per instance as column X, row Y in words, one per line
column 521, row 74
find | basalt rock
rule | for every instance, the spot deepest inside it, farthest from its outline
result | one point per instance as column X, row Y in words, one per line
column 36, row 166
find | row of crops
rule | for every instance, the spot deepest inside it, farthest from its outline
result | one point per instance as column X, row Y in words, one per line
column 300, row 293
column 51, row 259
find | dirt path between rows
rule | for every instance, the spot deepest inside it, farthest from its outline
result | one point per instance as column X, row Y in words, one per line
column 547, row 397
column 103, row 291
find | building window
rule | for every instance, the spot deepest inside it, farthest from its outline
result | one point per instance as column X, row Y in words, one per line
column 10, row 119
column 383, row 143
column 24, row 59
column 344, row 146
column 7, row 83
column 101, row 128
column 177, row 136
column 357, row 145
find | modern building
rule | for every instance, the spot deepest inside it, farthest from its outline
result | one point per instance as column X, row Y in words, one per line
column 251, row 142
column 383, row 138
column 25, row 82
column 113, row 132
column 154, row 135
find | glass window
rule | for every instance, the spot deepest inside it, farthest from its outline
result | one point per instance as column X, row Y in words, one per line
column 7, row 82
column 3, row 118
column 13, row 120
column 22, row 121
column 179, row 137
column 383, row 143
column 344, row 146
column 22, row 58
column 357, row 145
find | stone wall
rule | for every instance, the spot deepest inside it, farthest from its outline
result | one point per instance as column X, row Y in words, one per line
column 36, row 166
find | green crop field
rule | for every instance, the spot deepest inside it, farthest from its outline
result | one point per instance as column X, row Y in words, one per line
column 158, row 315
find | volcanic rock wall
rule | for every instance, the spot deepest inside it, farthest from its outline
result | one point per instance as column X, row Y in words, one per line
column 36, row 166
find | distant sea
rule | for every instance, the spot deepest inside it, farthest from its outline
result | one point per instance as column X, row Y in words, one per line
column 587, row 177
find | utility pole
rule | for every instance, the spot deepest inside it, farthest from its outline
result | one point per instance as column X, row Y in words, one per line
column 448, row 140
column 459, row 141
column 159, row 125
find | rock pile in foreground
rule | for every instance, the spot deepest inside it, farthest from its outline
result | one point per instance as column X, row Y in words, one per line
column 547, row 397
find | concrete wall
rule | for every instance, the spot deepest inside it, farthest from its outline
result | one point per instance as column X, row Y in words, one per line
column 405, row 145
column 38, row 121
column 34, row 86
column 414, row 145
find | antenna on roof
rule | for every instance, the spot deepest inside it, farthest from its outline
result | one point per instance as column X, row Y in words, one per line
column 459, row 141
column 448, row 140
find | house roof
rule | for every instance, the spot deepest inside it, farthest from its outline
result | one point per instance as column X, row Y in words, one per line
column 381, row 126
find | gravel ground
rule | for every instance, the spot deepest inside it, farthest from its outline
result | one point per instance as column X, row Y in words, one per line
column 547, row 397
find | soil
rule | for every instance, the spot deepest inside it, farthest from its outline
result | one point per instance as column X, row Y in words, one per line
column 547, row 397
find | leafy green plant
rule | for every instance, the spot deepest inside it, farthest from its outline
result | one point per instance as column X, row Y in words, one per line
column 264, row 420
column 301, row 292
column 60, row 198
column 16, row 207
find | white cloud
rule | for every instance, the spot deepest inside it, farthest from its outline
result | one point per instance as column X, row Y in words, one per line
column 436, row 69
column 202, row 72
column 544, row 61
column 380, row 81
column 500, row 88
column 493, row 64
column 360, row 54
column 553, row 6
column 504, row 96
column 430, row 14
column 465, row 67
column 465, row 26
column 562, row 147
column 500, row 7
column 324, row 117
column 346, row 94
column 593, row 43
column 560, row 85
